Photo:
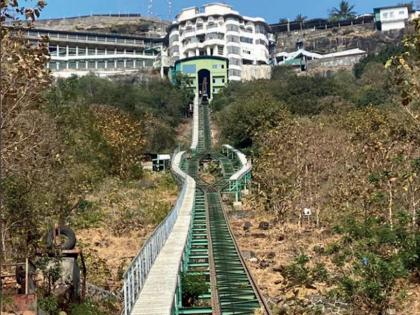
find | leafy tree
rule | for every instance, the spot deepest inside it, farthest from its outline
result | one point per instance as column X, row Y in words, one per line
column 382, row 57
column 344, row 11
column 23, row 77
column 406, row 70
column 242, row 120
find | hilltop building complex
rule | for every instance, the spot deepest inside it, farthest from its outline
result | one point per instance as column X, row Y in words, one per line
column 218, row 30
column 214, row 38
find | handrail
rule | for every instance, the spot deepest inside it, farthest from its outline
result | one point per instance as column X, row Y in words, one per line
column 246, row 165
column 195, row 131
column 137, row 272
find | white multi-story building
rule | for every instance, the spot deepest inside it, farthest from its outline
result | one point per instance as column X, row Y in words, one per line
column 81, row 53
column 218, row 30
column 391, row 18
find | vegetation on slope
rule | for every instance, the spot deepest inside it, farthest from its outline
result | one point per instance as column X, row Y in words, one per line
column 348, row 148
column 71, row 153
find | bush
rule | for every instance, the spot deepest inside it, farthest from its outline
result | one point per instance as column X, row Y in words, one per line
column 297, row 272
column 382, row 57
column 193, row 285
column 86, row 308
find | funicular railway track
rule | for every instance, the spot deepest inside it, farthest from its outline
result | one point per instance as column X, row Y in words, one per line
column 196, row 240
column 233, row 290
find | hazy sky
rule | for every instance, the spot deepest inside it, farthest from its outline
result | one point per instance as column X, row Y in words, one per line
column 271, row 10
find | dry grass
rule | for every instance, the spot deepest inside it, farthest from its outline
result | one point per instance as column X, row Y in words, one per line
column 111, row 245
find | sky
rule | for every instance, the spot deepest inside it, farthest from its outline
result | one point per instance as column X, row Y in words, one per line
column 271, row 10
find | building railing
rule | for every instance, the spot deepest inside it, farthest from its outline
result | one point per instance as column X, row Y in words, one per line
column 319, row 24
column 137, row 272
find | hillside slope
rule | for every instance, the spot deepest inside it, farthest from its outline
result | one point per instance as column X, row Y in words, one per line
column 124, row 24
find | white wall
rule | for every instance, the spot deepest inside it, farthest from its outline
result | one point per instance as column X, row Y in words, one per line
column 389, row 26
column 394, row 14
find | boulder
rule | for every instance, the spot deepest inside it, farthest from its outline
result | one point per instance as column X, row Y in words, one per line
column 264, row 225
column 247, row 226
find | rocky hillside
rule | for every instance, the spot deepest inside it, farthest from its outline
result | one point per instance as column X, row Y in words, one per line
column 363, row 36
column 125, row 24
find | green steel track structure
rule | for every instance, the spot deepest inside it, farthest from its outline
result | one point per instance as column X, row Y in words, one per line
column 211, row 250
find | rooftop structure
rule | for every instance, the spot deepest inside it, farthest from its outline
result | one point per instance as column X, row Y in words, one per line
column 217, row 30
column 305, row 60
column 391, row 18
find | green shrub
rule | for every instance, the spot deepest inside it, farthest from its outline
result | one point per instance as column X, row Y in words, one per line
column 86, row 308
column 49, row 304
column 193, row 285
column 298, row 272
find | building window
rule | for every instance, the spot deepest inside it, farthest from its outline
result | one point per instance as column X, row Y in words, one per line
column 235, row 61
column 62, row 51
column 91, row 51
column 52, row 66
column 53, row 50
column 83, row 65
column 247, row 40
column 82, row 51
column 120, row 64
column 91, row 64
column 234, row 72
column 232, row 27
column 101, row 64
column 62, row 65
column 129, row 64
column 233, row 50
column 232, row 39
column 189, row 69
column 72, row 51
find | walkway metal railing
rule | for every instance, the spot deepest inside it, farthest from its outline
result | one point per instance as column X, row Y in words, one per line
column 137, row 272
column 240, row 179
column 195, row 130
